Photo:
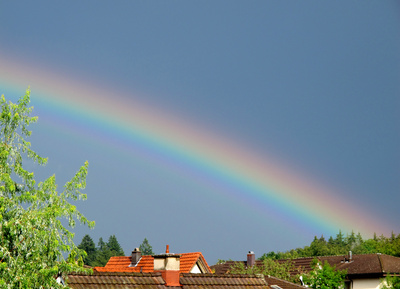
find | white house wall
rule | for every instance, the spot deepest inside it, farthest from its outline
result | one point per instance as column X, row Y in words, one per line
column 366, row 284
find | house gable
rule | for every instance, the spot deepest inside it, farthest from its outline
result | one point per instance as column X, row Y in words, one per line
column 189, row 263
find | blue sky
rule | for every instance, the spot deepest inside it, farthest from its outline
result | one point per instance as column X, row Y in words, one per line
column 314, row 84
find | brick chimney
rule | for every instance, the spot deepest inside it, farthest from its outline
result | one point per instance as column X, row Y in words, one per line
column 136, row 255
column 169, row 265
column 251, row 259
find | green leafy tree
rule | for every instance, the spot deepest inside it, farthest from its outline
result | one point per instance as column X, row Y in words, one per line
column 268, row 267
column 391, row 282
column 101, row 244
column 89, row 247
column 270, row 255
column 222, row 261
column 146, row 248
column 324, row 277
column 339, row 238
column 33, row 238
column 102, row 254
column 351, row 240
column 341, row 246
column 292, row 254
column 105, row 251
column 114, row 247
column 319, row 247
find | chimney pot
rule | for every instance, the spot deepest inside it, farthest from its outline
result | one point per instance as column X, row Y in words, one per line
column 136, row 255
column 167, row 250
column 251, row 259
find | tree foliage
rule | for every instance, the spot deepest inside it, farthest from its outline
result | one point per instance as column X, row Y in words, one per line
column 87, row 244
column 99, row 256
column 102, row 254
column 33, row 236
column 268, row 267
column 146, row 248
column 114, row 247
column 324, row 277
column 341, row 245
column 391, row 282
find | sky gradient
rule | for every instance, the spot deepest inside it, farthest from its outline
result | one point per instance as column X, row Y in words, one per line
column 255, row 125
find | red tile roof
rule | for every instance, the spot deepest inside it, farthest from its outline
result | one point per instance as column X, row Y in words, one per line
column 224, row 281
column 116, row 281
column 188, row 260
column 299, row 265
column 146, row 264
column 363, row 264
column 155, row 281
column 367, row 264
column 282, row 283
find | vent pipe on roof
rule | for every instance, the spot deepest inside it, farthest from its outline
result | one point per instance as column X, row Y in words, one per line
column 350, row 256
column 251, row 259
column 136, row 255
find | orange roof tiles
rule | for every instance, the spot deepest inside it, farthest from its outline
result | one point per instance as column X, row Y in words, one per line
column 188, row 260
column 146, row 263
column 121, row 264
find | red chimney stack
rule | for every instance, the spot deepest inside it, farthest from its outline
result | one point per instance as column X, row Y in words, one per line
column 169, row 266
column 251, row 259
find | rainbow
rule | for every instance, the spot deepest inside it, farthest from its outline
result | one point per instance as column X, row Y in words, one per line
column 258, row 181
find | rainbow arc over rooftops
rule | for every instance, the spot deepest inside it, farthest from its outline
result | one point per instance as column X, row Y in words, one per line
column 260, row 180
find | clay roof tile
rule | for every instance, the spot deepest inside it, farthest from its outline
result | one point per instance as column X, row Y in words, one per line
column 146, row 263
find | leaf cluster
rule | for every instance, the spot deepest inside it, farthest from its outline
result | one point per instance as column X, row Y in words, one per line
column 325, row 277
column 341, row 245
column 391, row 282
column 33, row 237
column 99, row 256
column 146, row 248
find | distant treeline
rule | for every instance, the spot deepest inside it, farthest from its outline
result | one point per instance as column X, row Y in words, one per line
column 99, row 256
column 341, row 245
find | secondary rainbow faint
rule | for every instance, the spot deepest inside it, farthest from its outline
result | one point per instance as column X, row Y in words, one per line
column 260, row 181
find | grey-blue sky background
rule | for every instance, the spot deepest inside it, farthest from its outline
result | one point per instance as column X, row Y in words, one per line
column 314, row 83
